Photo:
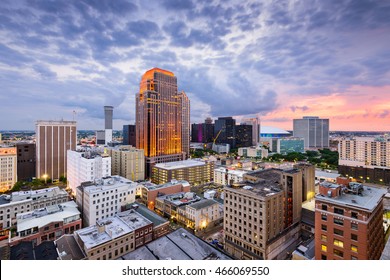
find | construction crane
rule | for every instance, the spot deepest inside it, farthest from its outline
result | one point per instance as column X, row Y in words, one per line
column 216, row 137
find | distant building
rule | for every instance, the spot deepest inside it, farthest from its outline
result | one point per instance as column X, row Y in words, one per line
column 185, row 121
column 286, row 145
column 26, row 161
column 48, row 223
column 100, row 137
column 104, row 198
column 149, row 192
column 224, row 176
column 272, row 132
column 128, row 162
column 255, row 123
column 225, row 131
column 194, row 171
column 86, row 165
column 108, row 113
column 53, row 139
column 221, row 148
column 313, row 130
column 259, row 152
column 8, row 168
column 25, row 201
column 243, row 135
column 113, row 237
column 366, row 159
column 349, row 222
column 177, row 245
column 129, row 137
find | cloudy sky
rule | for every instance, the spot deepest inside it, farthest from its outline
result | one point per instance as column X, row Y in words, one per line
column 276, row 59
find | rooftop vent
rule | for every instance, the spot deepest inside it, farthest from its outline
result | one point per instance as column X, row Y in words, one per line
column 247, row 188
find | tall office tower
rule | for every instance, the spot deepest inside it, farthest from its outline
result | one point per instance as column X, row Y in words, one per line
column 128, row 162
column 8, row 168
column 86, row 165
column 26, row 161
column 159, row 118
column 224, row 131
column 365, row 159
column 314, row 130
column 53, row 139
column 129, row 135
column 108, row 112
column 349, row 222
column 185, row 120
column 208, row 130
column 255, row 123
column 197, row 132
column 244, row 135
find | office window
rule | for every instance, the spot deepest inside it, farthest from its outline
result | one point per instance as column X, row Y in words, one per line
column 324, row 227
column 324, row 217
column 339, row 211
column 354, row 226
column 338, row 253
column 324, row 248
column 324, row 237
column 324, row 207
column 354, row 237
column 354, row 248
column 338, row 222
column 354, row 215
column 338, row 243
column 338, row 232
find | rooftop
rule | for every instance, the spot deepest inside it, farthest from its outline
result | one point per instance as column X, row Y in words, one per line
column 367, row 200
column 106, row 183
column 272, row 130
column 113, row 227
column 68, row 249
column 43, row 216
column 150, row 215
column 180, row 164
column 180, row 198
column 203, row 204
column 178, row 245
column 236, row 172
column 32, row 195
column 25, row 250
column 173, row 182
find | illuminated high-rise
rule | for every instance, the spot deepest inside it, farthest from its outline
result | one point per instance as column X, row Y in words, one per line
column 185, row 120
column 159, row 118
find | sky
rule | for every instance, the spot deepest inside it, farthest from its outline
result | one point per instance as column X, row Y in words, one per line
column 278, row 60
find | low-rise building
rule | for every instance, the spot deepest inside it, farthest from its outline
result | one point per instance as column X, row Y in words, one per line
column 26, row 201
column 113, row 237
column 257, row 151
column 203, row 214
column 104, row 198
column 194, row 171
column 168, row 205
column 224, row 176
column 48, row 223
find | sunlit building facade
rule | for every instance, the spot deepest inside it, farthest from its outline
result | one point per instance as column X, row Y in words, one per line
column 8, row 168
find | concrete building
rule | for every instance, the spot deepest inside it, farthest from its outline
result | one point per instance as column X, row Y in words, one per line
column 177, row 245
column 159, row 115
column 224, row 176
column 129, row 135
column 100, row 137
column 53, row 139
column 194, row 171
column 255, row 123
column 8, row 168
column 286, row 145
column 349, row 222
column 108, row 112
column 308, row 180
column 366, row 159
column 47, row 224
column 113, row 237
column 26, row 161
column 168, row 205
column 244, row 135
column 25, row 201
column 149, row 192
column 262, row 214
column 313, row 130
column 203, row 132
column 185, row 121
column 128, row 162
column 257, row 151
column 104, row 198
column 203, row 214
column 86, row 165
column 225, row 131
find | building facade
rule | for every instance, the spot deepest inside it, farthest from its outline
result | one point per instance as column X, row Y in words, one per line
column 159, row 115
column 313, row 130
column 255, row 123
column 53, row 139
column 258, row 152
column 129, row 135
column 244, row 135
column 308, row 180
column 8, row 168
column 26, row 161
column 194, row 171
column 86, row 165
column 349, row 222
column 224, row 176
column 108, row 113
column 225, row 131
column 366, row 159
column 128, row 162
column 185, row 121
column 104, row 198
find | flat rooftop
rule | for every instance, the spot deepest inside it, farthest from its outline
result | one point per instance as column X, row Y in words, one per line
column 180, row 198
column 44, row 216
column 32, row 195
column 106, row 183
column 178, row 245
column 367, row 201
column 203, row 204
column 121, row 224
column 148, row 214
column 180, row 164
column 166, row 185
column 326, row 175
column 236, row 172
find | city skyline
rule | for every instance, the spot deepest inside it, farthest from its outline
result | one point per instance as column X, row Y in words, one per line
column 278, row 60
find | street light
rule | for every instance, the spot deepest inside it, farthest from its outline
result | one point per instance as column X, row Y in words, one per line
column 45, row 177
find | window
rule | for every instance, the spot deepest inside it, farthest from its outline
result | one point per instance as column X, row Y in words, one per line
column 324, row 227
column 354, row 215
column 338, row 221
column 323, row 217
column 354, row 226
column 338, row 253
column 324, row 248
column 339, row 211
column 338, row 231
column 324, row 207
column 338, row 243
column 323, row 257
column 354, row 248
column 354, row 237
column 324, row 237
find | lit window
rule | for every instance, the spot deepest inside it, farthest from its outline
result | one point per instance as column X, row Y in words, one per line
column 354, row 248
column 338, row 243
column 324, row 237
column 324, row 248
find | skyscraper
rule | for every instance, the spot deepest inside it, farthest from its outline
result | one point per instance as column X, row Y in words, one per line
column 255, row 129
column 159, row 118
column 185, row 121
column 53, row 139
column 108, row 112
column 225, row 132
column 129, row 135
column 314, row 130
